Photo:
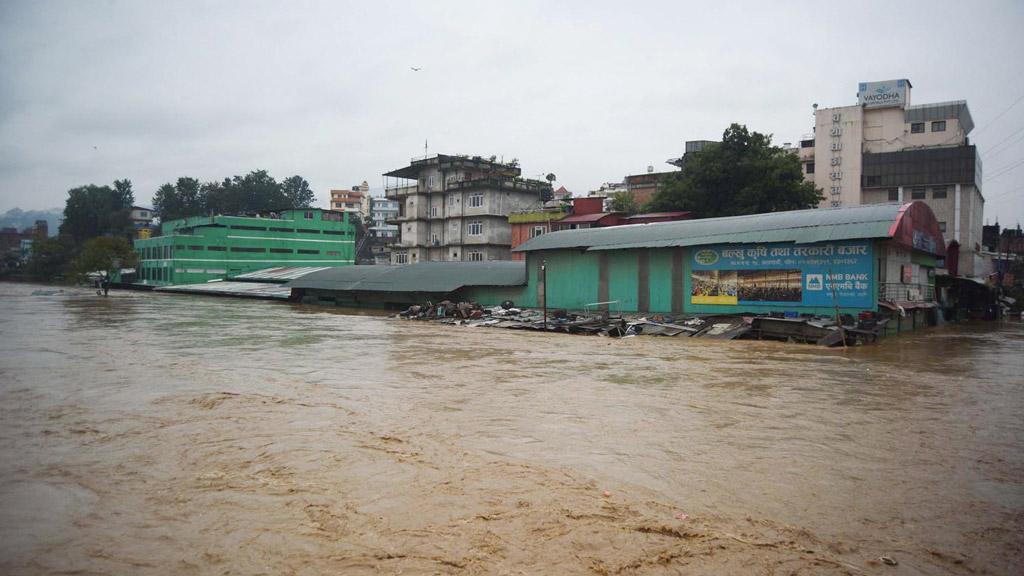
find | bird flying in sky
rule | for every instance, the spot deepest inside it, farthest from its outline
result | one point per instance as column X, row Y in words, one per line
column 415, row 69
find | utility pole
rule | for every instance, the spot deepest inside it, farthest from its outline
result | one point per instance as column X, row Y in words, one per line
column 544, row 290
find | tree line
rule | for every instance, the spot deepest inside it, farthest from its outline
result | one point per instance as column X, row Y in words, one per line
column 257, row 191
column 742, row 174
column 97, row 230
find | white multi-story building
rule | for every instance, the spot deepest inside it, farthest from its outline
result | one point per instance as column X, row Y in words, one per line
column 883, row 149
column 456, row 208
column 383, row 210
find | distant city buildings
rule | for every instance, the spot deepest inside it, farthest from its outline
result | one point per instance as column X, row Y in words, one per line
column 142, row 221
column 16, row 247
column 351, row 200
column 455, row 208
column 883, row 149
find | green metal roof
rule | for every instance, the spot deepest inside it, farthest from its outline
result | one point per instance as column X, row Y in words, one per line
column 798, row 226
column 422, row 277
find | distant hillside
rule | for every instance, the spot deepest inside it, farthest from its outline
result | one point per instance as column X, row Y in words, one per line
column 22, row 219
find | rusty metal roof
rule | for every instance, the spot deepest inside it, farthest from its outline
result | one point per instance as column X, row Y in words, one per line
column 798, row 226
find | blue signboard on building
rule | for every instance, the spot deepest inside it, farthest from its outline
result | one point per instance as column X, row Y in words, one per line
column 826, row 274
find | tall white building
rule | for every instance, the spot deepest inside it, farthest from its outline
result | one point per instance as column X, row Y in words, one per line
column 883, row 149
column 454, row 208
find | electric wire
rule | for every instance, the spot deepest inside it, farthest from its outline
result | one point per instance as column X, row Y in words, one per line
column 1000, row 115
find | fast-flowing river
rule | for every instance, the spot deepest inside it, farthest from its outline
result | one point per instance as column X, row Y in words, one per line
column 164, row 434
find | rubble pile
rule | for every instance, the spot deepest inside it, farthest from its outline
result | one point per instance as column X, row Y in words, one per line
column 786, row 327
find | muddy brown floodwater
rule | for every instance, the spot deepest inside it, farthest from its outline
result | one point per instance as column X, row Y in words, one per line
column 162, row 434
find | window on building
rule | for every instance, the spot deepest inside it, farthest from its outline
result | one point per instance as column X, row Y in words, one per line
column 288, row 230
column 476, row 256
column 939, row 126
column 475, row 228
column 195, row 247
column 401, row 258
column 894, row 194
column 335, row 232
column 810, row 167
column 307, row 231
column 215, row 248
column 280, row 250
column 939, row 192
column 433, row 211
column 872, row 180
column 917, row 194
column 536, row 231
column 306, row 251
column 476, row 200
column 807, row 143
column 248, row 249
column 333, row 253
column 308, row 215
column 256, row 228
column 942, row 226
column 917, row 127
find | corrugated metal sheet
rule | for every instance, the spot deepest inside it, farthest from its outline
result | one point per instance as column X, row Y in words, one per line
column 799, row 226
column 440, row 277
column 279, row 275
column 261, row 290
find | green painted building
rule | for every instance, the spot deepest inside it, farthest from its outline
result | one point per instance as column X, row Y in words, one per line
column 204, row 248
column 807, row 261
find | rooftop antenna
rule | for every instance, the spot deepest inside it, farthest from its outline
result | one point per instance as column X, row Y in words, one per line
column 425, row 147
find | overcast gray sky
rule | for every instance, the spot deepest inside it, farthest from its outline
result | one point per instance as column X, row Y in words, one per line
column 92, row 91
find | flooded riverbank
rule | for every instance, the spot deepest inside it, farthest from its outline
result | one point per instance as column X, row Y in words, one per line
column 154, row 433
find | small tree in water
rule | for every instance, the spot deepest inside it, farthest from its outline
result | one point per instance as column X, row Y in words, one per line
column 105, row 255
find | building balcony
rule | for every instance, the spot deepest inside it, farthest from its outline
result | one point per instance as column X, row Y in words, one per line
column 498, row 183
column 898, row 292
column 396, row 192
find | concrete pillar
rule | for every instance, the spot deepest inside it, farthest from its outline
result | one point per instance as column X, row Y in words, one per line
column 643, row 289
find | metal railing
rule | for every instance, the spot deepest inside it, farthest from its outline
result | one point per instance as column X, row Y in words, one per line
column 896, row 291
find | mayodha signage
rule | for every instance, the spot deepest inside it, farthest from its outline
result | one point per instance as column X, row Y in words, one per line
column 882, row 94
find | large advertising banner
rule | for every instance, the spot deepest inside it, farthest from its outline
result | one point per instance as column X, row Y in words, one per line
column 826, row 274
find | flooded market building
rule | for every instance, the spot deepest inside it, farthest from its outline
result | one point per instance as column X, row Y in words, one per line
column 808, row 261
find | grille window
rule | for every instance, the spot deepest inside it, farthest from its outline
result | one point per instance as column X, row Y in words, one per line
column 917, row 128
column 302, row 251
column 247, row 249
column 281, row 250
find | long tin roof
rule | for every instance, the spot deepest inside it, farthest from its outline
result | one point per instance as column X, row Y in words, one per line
column 421, row 277
column 798, row 226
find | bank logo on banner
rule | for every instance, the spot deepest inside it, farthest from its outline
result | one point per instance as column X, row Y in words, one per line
column 815, row 282
column 706, row 257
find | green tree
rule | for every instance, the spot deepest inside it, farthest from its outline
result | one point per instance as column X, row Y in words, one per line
column 297, row 193
column 743, row 174
column 179, row 200
column 92, row 211
column 123, row 192
column 623, row 201
column 49, row 258
column 105, row 254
